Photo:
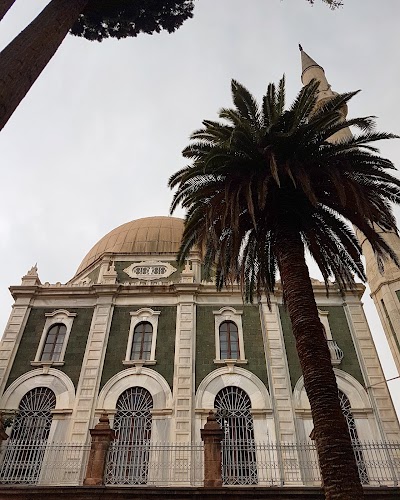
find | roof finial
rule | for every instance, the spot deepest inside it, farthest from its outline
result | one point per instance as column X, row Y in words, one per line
column 300, row 47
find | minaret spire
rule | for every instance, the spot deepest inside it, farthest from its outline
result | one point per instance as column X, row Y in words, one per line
column 310, row 69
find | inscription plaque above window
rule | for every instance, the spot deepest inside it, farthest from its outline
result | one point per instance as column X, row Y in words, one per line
column 150, row 270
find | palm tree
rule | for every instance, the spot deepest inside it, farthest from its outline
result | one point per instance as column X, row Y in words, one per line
column 22, row 61
column 264, row 185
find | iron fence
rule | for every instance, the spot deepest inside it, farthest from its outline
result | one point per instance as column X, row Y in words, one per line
column 157, row 464
column 167, row 464
column 39, row 462
column 268, row 464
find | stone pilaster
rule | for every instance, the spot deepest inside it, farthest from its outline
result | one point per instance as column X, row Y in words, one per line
column 185, row 346
column 11, row 338
column 19, row 316
column 278, row 373
column 92, row 366
column 372, row 371
column 384, row 288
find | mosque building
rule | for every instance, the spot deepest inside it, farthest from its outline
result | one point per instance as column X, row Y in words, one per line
column 154, row 346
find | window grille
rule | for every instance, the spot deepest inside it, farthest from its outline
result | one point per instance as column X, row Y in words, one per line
column 54, row 342
column 128, row 464
column 229, row 340
column 31, row 427
column 239, row 456
column 142, row 338
column 351, row 424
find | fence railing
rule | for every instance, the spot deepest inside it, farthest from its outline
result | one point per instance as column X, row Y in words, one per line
column 336, row 353
column 43, row 463
column 158, row 464
column 268, row 464
column 182, row 464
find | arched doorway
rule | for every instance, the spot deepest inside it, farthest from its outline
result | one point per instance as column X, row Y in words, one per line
column 238, row 450
column 129, row 454
column 351, row 424
column 27, row 444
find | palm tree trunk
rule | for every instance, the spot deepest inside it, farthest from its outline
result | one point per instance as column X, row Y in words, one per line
column 5, row 6
column 337, row 461
column 22, row 61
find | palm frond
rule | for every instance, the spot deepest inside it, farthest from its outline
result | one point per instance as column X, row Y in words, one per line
column 265, row 171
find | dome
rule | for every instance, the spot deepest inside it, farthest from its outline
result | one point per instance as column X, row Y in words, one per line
column 150, row 235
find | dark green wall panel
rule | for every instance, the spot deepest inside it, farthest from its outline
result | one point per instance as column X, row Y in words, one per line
column 118, row 341
column 31, row 337
column 205, row 342
column 252, row 337
column 340, row 332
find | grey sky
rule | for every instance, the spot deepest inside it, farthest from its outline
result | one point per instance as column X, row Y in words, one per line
column 94, row 142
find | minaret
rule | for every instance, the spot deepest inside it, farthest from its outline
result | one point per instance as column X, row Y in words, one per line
column 385, row 287
column 311, row 69
column 385, row 290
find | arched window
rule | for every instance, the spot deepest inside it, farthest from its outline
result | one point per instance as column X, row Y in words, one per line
column 129, row 453
column 238, row 451
column 141, row 344
column 54, row 342
column 26, row 446
column 229, row 340
column 351, row 424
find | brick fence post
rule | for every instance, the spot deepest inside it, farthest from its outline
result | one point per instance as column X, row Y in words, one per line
column 101, row 435
column 212, row 435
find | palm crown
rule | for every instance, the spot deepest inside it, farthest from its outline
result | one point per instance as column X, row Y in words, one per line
column 267, row 171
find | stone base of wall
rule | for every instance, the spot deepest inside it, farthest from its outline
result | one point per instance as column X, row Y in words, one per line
column 16, row 492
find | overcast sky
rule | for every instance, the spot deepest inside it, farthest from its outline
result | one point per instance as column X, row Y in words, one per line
column 93, row 144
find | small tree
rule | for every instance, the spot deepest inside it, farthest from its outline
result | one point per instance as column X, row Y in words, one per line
column 22, row 61
column 333, row 4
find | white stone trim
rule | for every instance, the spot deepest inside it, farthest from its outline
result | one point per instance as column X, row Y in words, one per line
column 278, row 372
column 261, row 408
column 346, row 383
column 145, row 314
column 228, row 314
column 58, row 316
column 92, row 367
column 152, row 266
column 323, row 317
column 232, row 376
column 147, row 378
column 361, row 408
column 55, row 380
column 371, row 369
column 11, row 337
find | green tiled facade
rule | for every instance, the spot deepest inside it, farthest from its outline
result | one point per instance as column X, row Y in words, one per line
column 205, row 342
column 32, row 335
column 253, row 342
column 252, row 338
column 118, row 341
column 340, row 333
column 94, row 275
